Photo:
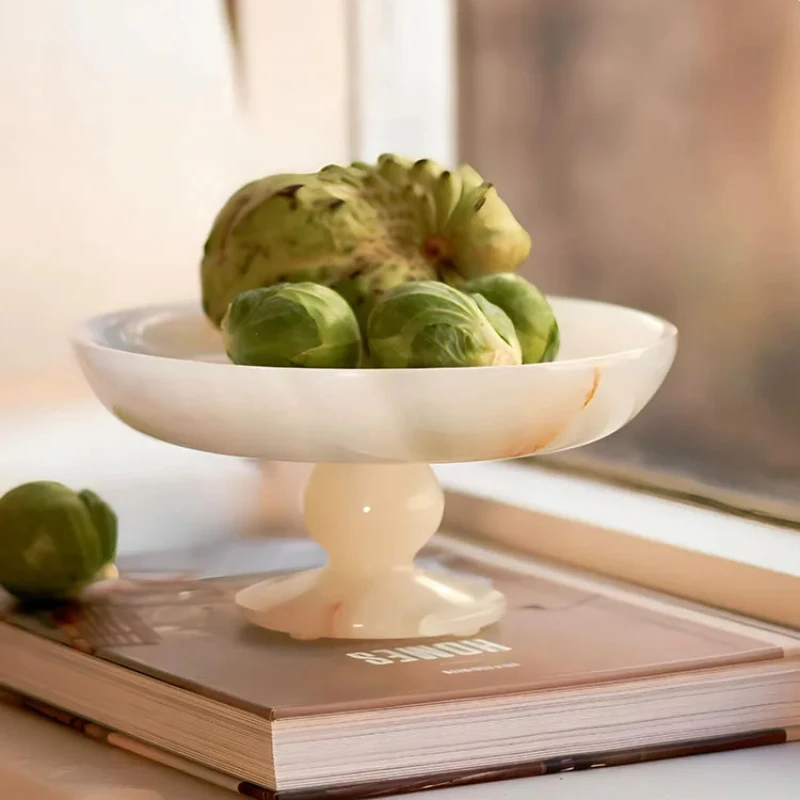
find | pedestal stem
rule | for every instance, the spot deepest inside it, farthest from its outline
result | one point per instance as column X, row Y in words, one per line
column 372, row 520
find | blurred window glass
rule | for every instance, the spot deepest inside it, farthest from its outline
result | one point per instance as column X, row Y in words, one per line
column 653, row 151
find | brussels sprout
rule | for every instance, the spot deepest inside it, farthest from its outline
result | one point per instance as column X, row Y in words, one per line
column 431, row 324
column 533, row 318
column 292, row 325
column 499, row 320
column 53, row 541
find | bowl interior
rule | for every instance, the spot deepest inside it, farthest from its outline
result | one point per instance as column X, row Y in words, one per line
column 588, row 329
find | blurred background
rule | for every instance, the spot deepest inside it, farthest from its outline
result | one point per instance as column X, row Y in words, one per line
column 651, row 147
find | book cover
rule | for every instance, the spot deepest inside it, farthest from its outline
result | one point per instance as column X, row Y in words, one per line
column 185, row 631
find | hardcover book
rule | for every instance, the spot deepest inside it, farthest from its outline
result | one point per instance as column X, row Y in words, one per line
column 580, row 672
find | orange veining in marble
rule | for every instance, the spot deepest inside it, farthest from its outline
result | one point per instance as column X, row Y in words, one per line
column 528, row 448
column 593, row 390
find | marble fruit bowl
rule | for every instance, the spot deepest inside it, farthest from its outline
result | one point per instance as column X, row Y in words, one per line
column 372, row 500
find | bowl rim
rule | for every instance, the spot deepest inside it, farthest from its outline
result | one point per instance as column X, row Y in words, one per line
column 83, row 337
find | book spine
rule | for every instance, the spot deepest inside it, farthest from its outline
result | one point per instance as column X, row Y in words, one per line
column 110, row 737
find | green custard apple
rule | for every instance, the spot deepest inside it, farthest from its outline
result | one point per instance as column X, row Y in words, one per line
column 362, row 229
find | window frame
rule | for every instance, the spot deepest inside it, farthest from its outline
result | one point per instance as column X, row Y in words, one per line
column 405, row 78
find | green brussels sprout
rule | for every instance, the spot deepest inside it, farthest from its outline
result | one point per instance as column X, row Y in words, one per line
column 292, row 325
column 533, row 317
column 431, row 324
column 54, row 541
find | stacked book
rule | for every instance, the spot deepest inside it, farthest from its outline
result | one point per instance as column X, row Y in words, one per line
column 580, row 673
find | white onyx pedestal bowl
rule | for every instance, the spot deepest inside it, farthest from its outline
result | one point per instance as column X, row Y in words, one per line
column 372, row 500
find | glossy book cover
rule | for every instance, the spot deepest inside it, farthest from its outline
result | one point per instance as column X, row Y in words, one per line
column 557, row 633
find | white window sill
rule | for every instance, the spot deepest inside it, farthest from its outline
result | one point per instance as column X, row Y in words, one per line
column 702, row 530
column 153, row 486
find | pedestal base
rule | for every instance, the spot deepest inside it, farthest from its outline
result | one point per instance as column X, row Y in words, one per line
column 405, row 604
column 372, row 520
